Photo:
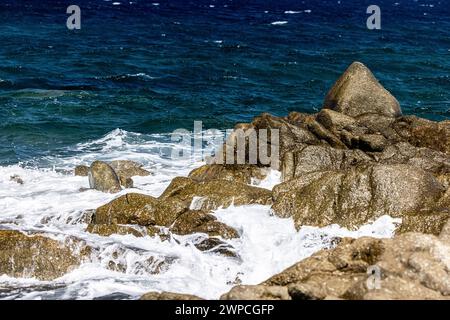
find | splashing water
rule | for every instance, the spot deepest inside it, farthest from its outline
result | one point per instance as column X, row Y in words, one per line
column 50, row 201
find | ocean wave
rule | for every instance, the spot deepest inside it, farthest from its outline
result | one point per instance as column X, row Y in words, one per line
column 278, row 23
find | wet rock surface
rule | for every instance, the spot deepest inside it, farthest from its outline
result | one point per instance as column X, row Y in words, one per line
column 37, row 256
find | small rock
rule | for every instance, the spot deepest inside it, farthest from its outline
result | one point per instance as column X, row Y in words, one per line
column 16, row 178
column 82, row 171
column 103, row 178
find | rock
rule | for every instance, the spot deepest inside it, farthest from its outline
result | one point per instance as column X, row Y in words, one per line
column 193, row 221
column 82, row 171
column 211, row 195
column 353, row 197
column 126, row 169
column 215, row 245
column 358, row 92
column 127, row 214
column 445, row 232
column 256, row 292
column 37, row 256
column 109, row 229
column 131, row 208
column 102, row 177
column 17, row 179
column 424, row 133
column 168, row 296
column 238, row 173
column 424, row 222
column 372, row 142
column 316, row 158
column 333, row 120
column 411, row 266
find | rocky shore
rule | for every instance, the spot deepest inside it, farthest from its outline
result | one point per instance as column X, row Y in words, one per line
column 354, row 161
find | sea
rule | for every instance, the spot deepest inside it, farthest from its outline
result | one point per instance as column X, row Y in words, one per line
column 136, row 71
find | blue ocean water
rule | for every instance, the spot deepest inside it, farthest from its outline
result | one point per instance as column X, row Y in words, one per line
column 154, row 66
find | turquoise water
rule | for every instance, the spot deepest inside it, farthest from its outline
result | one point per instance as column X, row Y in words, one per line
column 148, row 68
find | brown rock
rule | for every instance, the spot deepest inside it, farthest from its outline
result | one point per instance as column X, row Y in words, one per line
column 37, row 256
column 356, row 196
column 213, row 194
column 103, row 178
column 358, row 92
column 257, row 292
column 237, row 173
column 82, row 171
column 193, row 221
column 168, row 296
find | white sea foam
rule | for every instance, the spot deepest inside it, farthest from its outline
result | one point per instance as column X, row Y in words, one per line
column 278, row 23
column 50, row 201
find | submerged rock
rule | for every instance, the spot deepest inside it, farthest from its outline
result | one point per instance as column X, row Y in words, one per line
column 17, row 179
column 358, row 92
column 102, row 177
column 36, row 256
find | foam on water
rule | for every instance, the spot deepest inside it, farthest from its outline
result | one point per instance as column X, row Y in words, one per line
column 125, row 267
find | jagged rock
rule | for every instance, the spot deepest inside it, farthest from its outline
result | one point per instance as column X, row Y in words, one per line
column 37, row 256
column 131, row 208
column 358, row 92
column 125, row 169
column 445, row 232
column 129, row 213
column 215, row 245
column 194, row 221
column 17, row 179
column 109, row 229
column 353, row 197
column 256, row 292
column 213, row 194
column 333, row 120
column 237, row 173
column 424, row 222
column 315, row 158
column 82, row 171
column 168, row 296
column 372, row 142
column 424, row 133
column 411, row 266
column 102, row 177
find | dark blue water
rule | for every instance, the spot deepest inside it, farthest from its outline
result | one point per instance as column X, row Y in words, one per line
column 154, row 68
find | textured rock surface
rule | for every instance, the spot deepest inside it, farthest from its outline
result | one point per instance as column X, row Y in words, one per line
column 356, row 196
column 37, row 256
column 168, row 296
column 257, row 292
column 358, row 92
column 213, row 194
column 411, row 266
column 103, row 178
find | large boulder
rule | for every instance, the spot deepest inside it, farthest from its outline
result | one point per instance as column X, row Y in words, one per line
column 358, row 92
column 211, row 195
column 356, row 196
column 410, row 266
column 141, row 215
column 102, row 177
column 238, row 173
column 37, row 256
